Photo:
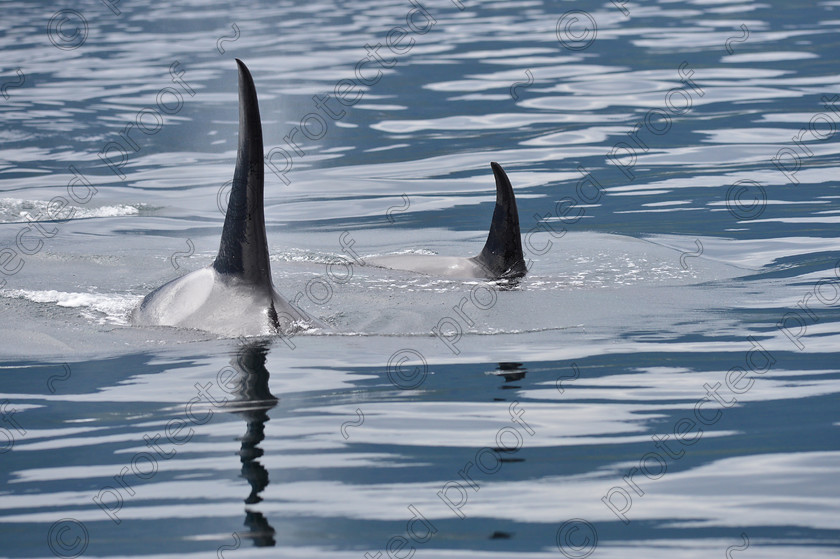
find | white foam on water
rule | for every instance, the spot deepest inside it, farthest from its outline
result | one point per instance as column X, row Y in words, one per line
column 13, row 210
column 104, row 308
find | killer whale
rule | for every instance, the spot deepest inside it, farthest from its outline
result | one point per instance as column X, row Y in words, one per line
column 501, row 257
column 234, row 295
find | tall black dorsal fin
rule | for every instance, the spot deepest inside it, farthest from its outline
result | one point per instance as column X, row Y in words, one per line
column 502, row 254
column 244, row 250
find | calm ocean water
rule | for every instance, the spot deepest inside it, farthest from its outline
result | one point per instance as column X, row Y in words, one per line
column 663, row 383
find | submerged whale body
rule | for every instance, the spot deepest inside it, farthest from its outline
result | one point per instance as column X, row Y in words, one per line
column 501, row 257
column 234, row 295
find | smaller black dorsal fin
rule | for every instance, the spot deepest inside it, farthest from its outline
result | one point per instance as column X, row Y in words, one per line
column 243, row 251
column 502, row 254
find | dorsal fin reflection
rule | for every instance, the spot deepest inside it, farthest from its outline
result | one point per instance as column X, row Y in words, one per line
column 252, row 401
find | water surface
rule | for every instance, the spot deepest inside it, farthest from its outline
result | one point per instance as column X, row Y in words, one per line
column 663, row 382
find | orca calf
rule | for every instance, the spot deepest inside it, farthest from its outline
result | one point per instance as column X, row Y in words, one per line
column 234, row 295
column 501, row 257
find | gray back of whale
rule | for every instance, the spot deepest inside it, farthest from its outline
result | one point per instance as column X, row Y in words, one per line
column 234, row 295
column 501, row 257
